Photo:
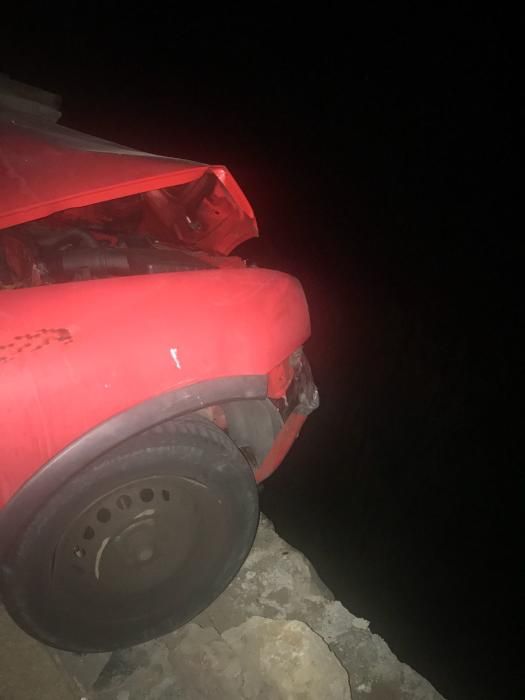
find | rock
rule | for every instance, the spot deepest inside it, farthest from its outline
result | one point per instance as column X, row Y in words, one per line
column 375, row 672
column 276, row 581
column 336, row 621
column 206, row 666
column 28, row 669
column 261, row 659
column 276, row 633
column 286, row 660
column 85, row 668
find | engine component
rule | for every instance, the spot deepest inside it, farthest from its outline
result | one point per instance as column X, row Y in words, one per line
column 102, row 262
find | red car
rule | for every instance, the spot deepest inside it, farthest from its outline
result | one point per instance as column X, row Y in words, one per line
column 149, row 381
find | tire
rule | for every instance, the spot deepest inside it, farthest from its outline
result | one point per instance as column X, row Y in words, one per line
column 138, row 543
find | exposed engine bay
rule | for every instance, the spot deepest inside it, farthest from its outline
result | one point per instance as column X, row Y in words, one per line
column 158, row 231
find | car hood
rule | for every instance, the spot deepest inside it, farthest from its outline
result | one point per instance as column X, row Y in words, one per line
column 47, row 168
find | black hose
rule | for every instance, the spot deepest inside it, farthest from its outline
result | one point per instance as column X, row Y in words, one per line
column 101, row 261
column 53, row 239
column 111, row 261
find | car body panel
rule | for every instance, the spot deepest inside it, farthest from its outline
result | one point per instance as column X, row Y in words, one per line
column 89, row 360
column 51, row 476
column 73, row 355
column 47, row 168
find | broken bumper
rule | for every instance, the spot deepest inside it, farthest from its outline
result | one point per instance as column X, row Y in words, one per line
column 302, row 398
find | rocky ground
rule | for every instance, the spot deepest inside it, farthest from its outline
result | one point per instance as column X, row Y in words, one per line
column 276, row 633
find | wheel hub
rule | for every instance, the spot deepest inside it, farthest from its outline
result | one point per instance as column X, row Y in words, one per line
column 132, row 538
column 136, row 543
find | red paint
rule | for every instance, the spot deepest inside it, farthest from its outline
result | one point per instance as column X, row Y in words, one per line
column 115, row 349
column 280, row 379
column 47, row 168
column 73, row 355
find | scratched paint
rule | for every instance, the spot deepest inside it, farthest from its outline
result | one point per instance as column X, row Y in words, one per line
column 175, row 357
column 13, row 347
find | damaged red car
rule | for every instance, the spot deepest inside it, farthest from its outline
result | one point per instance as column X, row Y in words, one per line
column 149, row 381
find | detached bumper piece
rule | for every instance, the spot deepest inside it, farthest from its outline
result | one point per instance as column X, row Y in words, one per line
column 302, row 399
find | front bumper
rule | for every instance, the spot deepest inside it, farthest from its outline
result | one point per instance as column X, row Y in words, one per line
column 302, row 395
column 302, row 398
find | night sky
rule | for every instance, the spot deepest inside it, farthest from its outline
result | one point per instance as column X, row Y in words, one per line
column 375, row 151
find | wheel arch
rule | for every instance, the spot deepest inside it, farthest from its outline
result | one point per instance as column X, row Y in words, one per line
column 18, row 511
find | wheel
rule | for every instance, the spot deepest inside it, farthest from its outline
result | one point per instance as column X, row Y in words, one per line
column 137, row 544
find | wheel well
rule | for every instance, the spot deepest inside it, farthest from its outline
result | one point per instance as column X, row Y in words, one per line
column 242, row 389
column 252, row 424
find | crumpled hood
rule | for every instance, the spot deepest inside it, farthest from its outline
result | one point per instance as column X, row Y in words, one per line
column 47, row 168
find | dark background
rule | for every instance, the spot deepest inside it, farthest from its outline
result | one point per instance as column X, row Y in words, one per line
column 376, row 153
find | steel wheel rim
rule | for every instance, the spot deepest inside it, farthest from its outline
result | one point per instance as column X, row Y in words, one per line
column 146, row 535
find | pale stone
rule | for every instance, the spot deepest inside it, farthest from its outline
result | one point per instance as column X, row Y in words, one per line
column 286, row 660
column 205, row 665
